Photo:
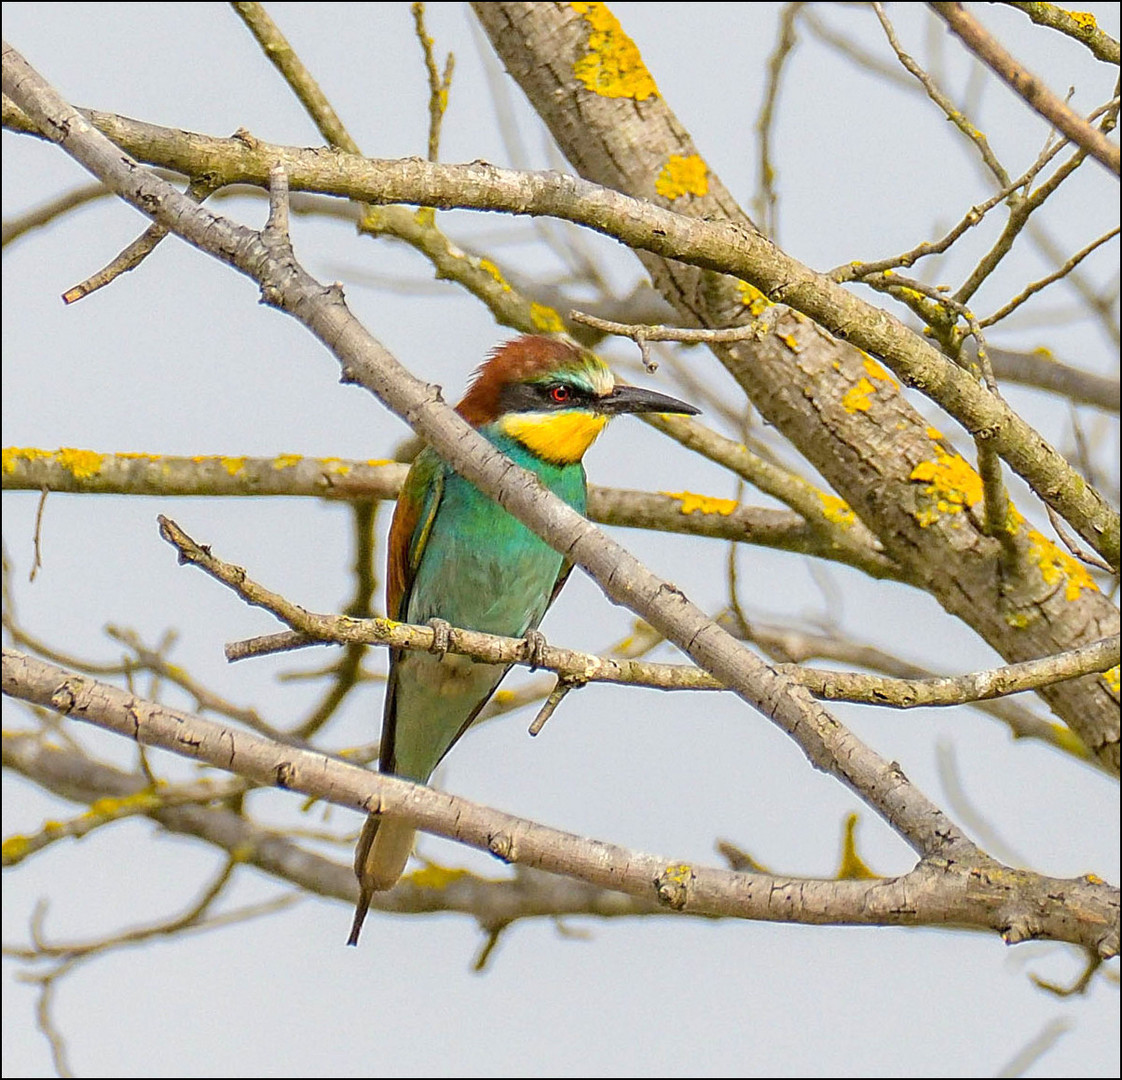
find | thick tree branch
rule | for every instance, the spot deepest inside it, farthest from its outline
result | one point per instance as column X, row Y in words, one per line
column 838, row 406
column 726, row 247
column 73, row 775
column 976, row 892
column 1078, row 25
column 268, row 258
column 990, row 51
column 577, row 668
column 835, row 534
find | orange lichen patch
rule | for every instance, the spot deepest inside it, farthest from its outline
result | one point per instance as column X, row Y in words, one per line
column 424, row 216
column 683, row 176
column 752, row 298
column 876, row 371
column 1111, row 678
column 335, row 466
column 495, row 272
column 791, row 342
column 546, row 319
column 1058, row 567
column 375, row 462
column 836, row 510
column 934, row 433
column 135, row 456
column 858, row 398
column 81, row 464
column 702, row 504
column 287, row 461
column 613, row 66
column 952, row 485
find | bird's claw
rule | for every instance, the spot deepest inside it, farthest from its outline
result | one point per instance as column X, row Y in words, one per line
column 535, row 645
column 441, row 637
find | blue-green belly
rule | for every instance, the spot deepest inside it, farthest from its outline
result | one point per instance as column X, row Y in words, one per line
column 481, row 569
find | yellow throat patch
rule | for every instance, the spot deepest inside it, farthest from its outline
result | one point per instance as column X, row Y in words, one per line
column 559, row 437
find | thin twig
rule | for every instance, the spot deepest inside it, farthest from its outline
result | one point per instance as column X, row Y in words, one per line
column 767, row 198
column 856, row 270
column 136, row 252
column 438, row 85
column 1036, row 286
column 37, row 543
column 584, row 667
column 35, row 218
column 1089, row 557
column 1025, row 1058
column 549, row 707
column 955, row 115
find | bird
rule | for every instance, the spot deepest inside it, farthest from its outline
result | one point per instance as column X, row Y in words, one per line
column 457, row 558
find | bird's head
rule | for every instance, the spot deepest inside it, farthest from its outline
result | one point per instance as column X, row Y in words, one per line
column 553, row 397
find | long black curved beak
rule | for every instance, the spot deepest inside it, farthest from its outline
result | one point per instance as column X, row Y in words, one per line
column 634, row 399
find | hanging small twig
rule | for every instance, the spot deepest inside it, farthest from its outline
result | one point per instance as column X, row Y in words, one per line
column 37, row 561
column 1089, row 557
column 549, row 706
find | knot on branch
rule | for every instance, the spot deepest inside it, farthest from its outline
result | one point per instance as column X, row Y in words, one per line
column 674, row 886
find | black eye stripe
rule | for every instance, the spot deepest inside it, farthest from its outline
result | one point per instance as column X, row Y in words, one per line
column 539, row 396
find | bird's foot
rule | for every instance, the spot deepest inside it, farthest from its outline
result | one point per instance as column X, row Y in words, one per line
column 535, row 645
column 441, row 637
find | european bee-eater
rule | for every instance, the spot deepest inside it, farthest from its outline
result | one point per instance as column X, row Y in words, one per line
column 455, row 555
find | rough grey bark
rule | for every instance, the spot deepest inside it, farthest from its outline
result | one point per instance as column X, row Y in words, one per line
column 799, row 377
column 974, row 891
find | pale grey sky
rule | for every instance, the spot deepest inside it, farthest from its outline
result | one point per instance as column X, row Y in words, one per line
column 178, row 357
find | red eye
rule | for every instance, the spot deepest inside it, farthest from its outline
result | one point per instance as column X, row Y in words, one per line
column 560, row 394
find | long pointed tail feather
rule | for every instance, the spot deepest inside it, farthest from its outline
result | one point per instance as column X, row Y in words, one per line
column 380, row 857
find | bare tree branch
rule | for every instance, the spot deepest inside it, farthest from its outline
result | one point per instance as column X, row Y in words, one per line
column 713, row 245
column 976, row 892
column 983, row 44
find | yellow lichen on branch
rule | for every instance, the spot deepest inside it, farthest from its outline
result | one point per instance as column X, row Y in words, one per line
column 1059, row 568
column 858, row 398
column 495, row 272
column 752, row 298
column 546, row 319
column 952, row 485
column 702, row 504
column 877, row 371
column 683, row 176
column 852, row 867
column 81, row 464
column 435, row 877
column 613, row 66
column 836, row 510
